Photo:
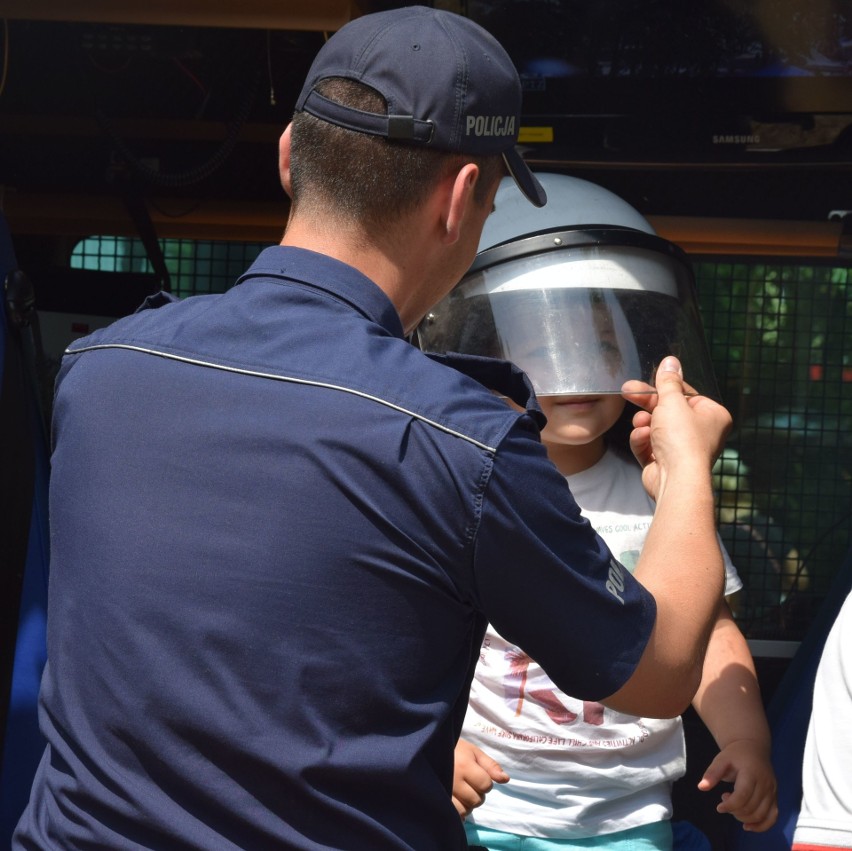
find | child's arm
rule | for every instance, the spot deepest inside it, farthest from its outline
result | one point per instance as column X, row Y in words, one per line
column 729, row 703
column 473, row 776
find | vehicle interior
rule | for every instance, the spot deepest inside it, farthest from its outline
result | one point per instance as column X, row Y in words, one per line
column 138, row 153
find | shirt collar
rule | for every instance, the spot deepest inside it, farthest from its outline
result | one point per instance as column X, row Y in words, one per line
column 332, row 276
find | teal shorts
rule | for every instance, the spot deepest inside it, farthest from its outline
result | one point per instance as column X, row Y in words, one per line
column 648, row 837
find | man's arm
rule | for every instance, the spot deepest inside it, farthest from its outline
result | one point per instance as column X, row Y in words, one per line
column 676, row 438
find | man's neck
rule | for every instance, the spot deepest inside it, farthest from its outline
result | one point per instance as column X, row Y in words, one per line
column 406, row 274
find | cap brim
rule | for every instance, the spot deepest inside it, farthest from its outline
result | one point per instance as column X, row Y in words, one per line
column 527, row 182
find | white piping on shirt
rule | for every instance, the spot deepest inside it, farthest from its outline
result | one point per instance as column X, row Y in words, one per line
column 291, row 379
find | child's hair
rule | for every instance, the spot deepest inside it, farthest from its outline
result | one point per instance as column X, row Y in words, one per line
column 617, row 437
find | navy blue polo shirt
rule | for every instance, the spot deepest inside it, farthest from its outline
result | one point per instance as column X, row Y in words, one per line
column 278, row 530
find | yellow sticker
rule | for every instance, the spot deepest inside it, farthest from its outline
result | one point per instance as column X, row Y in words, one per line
column 535, row 134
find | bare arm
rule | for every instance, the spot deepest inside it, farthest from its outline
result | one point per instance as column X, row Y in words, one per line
column 676, row 438
column 728, row 701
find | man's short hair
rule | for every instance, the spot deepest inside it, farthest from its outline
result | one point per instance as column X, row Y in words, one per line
column 367, row 178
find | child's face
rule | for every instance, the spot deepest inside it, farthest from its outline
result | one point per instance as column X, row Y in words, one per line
column 579, row 420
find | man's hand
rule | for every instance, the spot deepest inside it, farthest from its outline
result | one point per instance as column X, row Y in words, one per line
column 753, row 800
column 674, row 431
column 474, row 775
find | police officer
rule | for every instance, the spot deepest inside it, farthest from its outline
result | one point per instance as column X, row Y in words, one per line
column 279, row 529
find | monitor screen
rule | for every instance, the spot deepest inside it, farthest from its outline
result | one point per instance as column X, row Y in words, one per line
column 684, row 80
column 600, row 53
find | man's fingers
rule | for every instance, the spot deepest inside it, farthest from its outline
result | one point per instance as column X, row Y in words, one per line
column 642, row 419
column 640, row 393
column 645, row 395
column 689, row 390
column 669, row 378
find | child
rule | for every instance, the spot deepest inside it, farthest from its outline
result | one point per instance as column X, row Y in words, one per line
column 578, row 774
column 579, row 770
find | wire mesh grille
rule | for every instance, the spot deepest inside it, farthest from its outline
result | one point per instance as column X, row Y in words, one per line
column 781, row 337
column 195, row 266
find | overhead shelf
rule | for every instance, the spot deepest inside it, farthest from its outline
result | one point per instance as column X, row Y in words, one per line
column 83, row 215
column 306, row 15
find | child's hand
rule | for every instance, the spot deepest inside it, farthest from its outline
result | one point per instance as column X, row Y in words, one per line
column 753, row 800
column 474, row 775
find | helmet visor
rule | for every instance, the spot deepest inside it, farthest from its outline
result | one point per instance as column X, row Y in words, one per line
column 578, row 320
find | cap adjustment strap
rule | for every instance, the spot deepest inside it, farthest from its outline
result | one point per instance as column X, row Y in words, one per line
column 397, row 127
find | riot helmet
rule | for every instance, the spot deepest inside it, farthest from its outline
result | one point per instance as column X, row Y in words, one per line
column 581, row 294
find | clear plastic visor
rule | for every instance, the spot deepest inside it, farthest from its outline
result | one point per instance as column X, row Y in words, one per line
column 580, row 320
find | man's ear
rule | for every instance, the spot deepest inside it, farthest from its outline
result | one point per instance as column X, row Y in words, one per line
column 284, row 159
column 460, row 200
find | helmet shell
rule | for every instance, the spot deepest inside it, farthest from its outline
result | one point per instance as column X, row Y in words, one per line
column 571, row 202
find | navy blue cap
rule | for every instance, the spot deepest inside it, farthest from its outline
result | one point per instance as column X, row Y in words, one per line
column 448, row 84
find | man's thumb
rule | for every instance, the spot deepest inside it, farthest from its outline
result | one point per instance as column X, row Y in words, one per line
column 671, row 364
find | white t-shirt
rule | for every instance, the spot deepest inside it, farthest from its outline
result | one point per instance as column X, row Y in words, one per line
column 825, row 819
column 577, row 768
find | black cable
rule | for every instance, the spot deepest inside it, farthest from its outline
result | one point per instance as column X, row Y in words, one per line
column 193, row 175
